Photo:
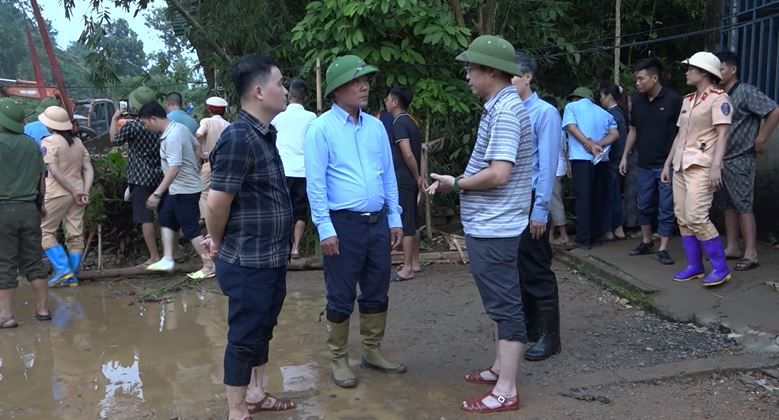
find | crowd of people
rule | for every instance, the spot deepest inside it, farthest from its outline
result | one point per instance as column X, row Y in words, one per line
column 242, row 192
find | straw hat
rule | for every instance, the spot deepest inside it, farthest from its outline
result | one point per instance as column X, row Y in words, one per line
column 56, row 118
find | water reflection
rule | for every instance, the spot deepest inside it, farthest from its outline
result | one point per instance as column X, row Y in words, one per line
column 105, row 355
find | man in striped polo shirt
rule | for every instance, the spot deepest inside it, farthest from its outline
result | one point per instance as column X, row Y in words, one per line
column 495, row 201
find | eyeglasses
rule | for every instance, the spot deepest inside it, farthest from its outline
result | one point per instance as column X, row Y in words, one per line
column 367, row 79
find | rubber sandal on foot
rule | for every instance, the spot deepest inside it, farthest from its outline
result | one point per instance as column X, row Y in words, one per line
column 270, row 403
column 4, row 323
column 478, row 379
column 39, row 317
column 745, row 264
column 200, row 275
column 477, row 405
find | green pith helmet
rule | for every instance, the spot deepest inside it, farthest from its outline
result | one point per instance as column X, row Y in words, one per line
column 11, row 115
column 344, row 69
column 491, row 51
column 581, row 92
column 140, row 97
column 45, row 103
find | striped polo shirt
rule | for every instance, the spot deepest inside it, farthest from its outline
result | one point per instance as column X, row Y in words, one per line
column 505, row 133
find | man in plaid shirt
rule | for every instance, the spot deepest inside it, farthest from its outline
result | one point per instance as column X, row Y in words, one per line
column 250, row 221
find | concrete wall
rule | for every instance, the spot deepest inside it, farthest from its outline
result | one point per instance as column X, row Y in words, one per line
column 767, row 190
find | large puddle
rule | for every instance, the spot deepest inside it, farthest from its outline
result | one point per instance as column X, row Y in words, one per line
column 106, row 355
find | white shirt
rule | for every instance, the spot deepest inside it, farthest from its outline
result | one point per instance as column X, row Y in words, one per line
column 562, row 161
column 292, row 125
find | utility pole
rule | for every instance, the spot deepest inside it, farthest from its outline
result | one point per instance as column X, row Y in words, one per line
column 55, row 67
column 617, row 39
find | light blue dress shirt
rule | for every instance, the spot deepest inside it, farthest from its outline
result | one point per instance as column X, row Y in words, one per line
column 36, row 130
column 592, row 120
column 546, row 152
column 349, row 167
column 182, row 117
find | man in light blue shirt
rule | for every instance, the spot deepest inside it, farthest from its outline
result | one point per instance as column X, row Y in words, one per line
column 173, row 104
column 353, row 196
column 36, row 129
column 590, row 130
column 534, row 263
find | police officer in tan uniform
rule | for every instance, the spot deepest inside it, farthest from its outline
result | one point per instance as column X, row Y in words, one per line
column 67, row 194
column 696, row 156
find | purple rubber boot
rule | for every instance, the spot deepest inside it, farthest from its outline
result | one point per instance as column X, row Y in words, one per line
column 720, row 273
column 692, row 251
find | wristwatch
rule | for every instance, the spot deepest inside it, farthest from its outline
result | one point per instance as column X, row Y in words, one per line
column 158, row 195
column 457, row 188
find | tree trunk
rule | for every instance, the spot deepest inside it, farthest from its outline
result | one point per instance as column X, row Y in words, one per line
column 486, row 24
column 457, row 11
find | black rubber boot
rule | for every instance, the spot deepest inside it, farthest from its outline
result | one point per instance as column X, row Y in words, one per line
column 548, row 321
column 529, row 308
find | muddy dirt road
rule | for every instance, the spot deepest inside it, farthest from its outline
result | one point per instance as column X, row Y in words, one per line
column 108, row 355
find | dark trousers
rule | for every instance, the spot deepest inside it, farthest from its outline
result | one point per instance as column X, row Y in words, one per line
column 363, row 259
column 493, row 263
column 534, row 263
column 614, row 216
column 590, row 184
column 255, row 297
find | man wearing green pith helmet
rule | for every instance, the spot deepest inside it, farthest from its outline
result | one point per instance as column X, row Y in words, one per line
column 495, row 200
column 353, row 196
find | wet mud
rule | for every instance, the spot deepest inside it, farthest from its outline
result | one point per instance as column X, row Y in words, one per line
column 111, row 354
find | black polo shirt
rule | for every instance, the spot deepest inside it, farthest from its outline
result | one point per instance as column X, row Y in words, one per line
column 655, row 124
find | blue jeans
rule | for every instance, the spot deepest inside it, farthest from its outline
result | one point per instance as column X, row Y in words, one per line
column 363, row 259
column 255, row 297
column 655, row 199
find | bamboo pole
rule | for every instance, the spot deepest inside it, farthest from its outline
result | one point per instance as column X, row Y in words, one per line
column 318, row 86
column 617, row 39
column 425, row 155
column 100, row 247
column 298, row 264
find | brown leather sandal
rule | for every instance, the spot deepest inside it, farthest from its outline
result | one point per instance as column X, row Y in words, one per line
column 478, row 379
column 270, row 403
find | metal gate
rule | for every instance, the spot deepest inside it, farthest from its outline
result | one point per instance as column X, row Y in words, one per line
column 750, row 28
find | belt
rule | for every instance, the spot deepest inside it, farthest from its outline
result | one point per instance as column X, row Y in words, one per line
column 15, row 202
column 362, row 217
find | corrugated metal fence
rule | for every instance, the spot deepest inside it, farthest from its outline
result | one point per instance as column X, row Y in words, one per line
column 751, row 29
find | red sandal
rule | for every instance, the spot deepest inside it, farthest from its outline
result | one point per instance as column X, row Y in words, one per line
column 270, row 403
column 476, row 405
column 476, row 378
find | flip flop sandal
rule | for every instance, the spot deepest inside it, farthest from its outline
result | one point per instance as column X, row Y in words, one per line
column 39, row 317
column 278, row 404
column 4, row 323
column 396, row 278
column 745, row 264
column 200, row 275
column 478, row 379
